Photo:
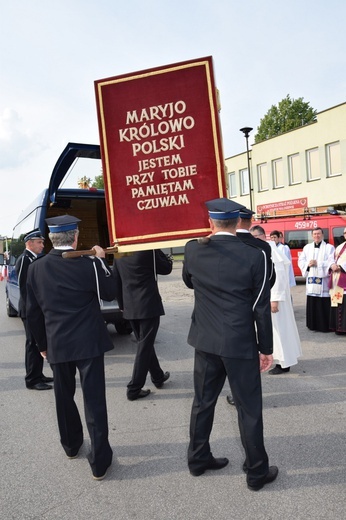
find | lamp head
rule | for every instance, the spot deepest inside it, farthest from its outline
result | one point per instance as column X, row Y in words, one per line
column 246, row 131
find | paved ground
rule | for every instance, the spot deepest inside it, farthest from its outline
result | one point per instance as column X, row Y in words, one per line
column 304, row 414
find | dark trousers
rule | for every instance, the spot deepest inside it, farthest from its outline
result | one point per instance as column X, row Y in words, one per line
column 318, row 313
column 146, row 360
column 210, row 372
column 33, row 359
column 337, row 317
column 92, row 378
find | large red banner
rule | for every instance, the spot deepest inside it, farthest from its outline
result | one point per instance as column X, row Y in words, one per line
column 161, row 153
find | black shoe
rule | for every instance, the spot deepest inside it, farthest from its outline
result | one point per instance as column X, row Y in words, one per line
column 278, row 370
column 101, row 477
column 270, row 477
column 40, row 386
column 73, row 453
column 159, row 384
column 141, row 393
column 230, row 399
column 73, row 456
column 45, row 379
column 212, row 464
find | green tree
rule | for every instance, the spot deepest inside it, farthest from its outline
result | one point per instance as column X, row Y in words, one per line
column 98, row 182
column 286, row 115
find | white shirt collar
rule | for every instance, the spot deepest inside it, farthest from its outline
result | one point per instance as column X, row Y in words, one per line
column 33, row 254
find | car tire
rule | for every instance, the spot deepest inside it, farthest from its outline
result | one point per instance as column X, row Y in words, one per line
column 123, row 327
column 11, row 311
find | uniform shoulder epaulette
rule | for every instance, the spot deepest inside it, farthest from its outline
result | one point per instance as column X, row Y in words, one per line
column 203, row 240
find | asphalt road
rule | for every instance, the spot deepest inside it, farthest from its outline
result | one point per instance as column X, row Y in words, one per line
column 304, row 417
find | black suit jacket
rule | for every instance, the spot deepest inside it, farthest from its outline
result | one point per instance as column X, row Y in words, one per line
column 63, row 309
column 22, row 266
column 248, row 238
column 138, row 293
column 231, row 296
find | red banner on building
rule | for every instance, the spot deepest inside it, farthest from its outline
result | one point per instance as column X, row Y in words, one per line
column 282, row 206
column 161, row 153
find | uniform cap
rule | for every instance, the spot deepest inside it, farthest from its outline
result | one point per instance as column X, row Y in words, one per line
column 223, row 209
column 246, row 213
column 62, row 223
column 34, row 235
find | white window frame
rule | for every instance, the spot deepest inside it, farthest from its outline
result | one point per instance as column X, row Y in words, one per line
column 244, row 182
column 232, row 185
column 262, row 172
column 278, row 183
column 313, row 153
column 291, row 169
column 330, row 160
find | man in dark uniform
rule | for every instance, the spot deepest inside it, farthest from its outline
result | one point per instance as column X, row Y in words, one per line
column 252, row 237
column 246, row 235
column 63, row 312
column 34, row 378
column 231, row 332
column 139, row 297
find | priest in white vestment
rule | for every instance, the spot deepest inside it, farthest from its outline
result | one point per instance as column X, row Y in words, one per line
column 287, row 347
column 314, row 263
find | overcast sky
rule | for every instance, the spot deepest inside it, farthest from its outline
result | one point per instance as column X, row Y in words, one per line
column 51, row 52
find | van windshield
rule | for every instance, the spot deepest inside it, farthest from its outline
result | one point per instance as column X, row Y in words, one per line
column 25, row 226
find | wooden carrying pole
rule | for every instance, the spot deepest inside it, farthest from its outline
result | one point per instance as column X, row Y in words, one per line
column 88, row 252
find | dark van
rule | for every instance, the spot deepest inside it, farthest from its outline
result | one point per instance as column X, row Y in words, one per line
column 77, row 162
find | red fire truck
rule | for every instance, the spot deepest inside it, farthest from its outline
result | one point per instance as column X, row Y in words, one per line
column 297, row 231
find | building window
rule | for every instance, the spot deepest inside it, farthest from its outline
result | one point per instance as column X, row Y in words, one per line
column 333, row 159
column 278, row 173
column 313, row 164
column 232, row 185
column 244, row 182
column 294, row 169
column 262, row 175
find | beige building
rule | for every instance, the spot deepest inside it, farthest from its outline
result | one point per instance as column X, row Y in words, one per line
column 301, row 170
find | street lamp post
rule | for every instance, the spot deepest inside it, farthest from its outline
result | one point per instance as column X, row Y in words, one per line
column 246, row 131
